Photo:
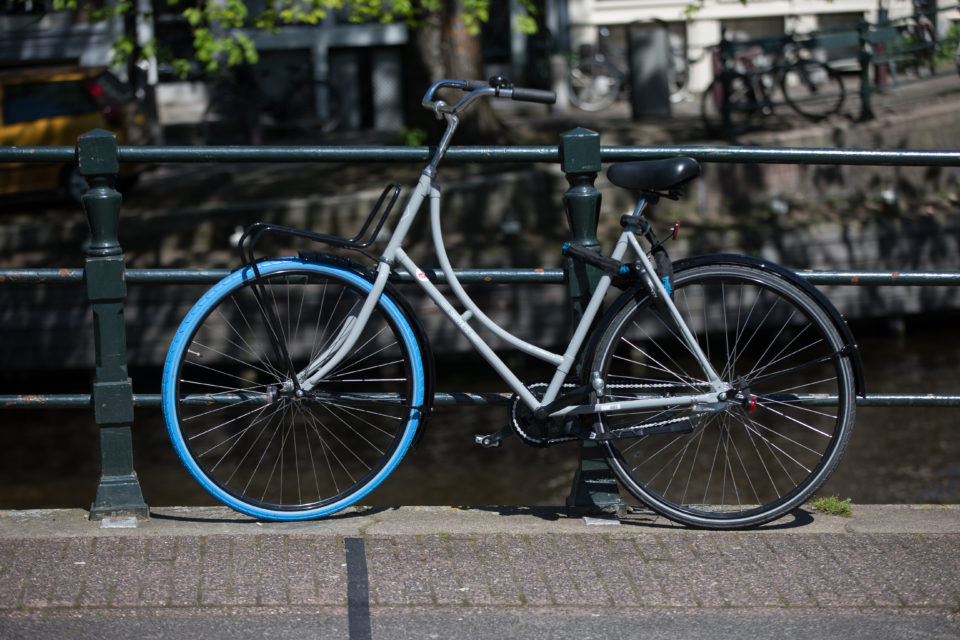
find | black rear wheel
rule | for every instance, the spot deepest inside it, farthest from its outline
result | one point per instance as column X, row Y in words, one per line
column 729, row 105
column 768, row 448
column 813, row 89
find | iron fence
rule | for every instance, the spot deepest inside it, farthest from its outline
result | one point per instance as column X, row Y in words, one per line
column 580, row 155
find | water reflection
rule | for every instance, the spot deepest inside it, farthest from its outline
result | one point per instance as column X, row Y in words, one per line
column 896, row 455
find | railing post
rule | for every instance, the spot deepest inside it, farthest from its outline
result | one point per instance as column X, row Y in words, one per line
column 725, row 53
column 594, row 484
column 119, row 490
column 866, row 60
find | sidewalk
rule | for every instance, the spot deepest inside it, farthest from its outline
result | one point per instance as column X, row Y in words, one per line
column 887, row 571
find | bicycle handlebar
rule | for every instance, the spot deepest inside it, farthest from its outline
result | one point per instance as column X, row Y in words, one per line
column 496, row 86
column 505, row 89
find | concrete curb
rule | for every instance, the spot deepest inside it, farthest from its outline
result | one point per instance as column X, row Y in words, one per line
column 441, row 520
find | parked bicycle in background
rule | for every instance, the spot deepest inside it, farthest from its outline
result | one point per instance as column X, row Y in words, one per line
column 749, row 74
column 600, row 74
column 919, row 39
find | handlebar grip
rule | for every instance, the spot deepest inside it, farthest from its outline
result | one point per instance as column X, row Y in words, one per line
column 470, row 85
column 534, row 95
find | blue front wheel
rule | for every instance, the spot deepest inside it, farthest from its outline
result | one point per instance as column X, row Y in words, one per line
column 250, row 434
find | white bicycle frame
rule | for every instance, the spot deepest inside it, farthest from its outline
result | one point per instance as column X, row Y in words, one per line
column 393, row 255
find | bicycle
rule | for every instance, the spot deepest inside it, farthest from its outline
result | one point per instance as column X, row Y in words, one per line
column 743, row 87
column 601, row 74
column 917, row 48
column 295, row 385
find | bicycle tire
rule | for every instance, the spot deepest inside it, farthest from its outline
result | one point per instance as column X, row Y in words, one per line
column 594, row 85
column 742, row 101
column 733, row 465
column 254, row 444
column 813, row 89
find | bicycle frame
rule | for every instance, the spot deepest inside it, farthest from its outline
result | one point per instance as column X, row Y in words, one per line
column 393, row 255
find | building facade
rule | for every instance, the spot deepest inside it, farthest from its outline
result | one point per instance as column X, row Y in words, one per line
column 364, row 61
column 695, row 26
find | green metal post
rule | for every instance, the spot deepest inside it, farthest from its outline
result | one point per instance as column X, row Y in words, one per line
column 866, row 60
column 594, row 487
column 118, row 493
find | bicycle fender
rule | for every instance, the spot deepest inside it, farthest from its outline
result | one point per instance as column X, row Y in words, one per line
column 640, row 291
column 419, row 333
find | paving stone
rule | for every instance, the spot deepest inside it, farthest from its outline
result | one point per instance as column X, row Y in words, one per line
column 609, row 571
column 771, row 581
column 384, row 572
column 470, row 571
column 496, row 569
column 530, row 582
column 279, row 570
column 639, row 572
column 551, row 566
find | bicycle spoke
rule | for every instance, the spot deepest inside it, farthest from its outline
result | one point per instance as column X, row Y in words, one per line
column 744, row 461
column 255, row 440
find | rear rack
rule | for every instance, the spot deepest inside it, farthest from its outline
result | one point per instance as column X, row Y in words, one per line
column 252, row 235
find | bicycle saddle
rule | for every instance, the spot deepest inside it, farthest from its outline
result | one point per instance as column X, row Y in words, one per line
column 654, row 176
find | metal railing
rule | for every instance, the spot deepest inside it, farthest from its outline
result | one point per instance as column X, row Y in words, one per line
column 879, row 46
column 580, row 155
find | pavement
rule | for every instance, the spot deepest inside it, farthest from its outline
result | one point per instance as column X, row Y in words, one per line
column 438, row 572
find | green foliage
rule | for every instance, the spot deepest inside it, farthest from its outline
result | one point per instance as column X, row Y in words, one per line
column 412, row 136
column 948, row 44
column 694, row 7
column 833, row 506
column 220, row 27
column 942, row 51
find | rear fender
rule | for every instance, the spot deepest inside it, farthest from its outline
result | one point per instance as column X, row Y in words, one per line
column 639, row 291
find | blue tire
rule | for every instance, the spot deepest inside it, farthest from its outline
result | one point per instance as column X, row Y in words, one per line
column 235, row 417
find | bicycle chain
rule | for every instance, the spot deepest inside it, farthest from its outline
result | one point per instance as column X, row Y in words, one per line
column 517, row 420
column 613, row 433
column 657, row 385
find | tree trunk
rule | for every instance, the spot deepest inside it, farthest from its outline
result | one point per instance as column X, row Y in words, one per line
column 442, row 49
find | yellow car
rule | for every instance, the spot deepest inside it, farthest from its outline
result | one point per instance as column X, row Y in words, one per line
column 53, row 106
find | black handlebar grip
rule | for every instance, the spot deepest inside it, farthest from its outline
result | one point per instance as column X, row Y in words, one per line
column 534, row 95
column 471, row 85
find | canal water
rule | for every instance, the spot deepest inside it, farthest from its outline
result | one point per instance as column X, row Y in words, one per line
column 50, row 458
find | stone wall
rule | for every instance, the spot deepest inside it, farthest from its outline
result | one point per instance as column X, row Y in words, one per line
column 820, row 217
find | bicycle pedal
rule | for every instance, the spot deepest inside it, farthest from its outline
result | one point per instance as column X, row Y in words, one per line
column 487, row 442
column 492, row 440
